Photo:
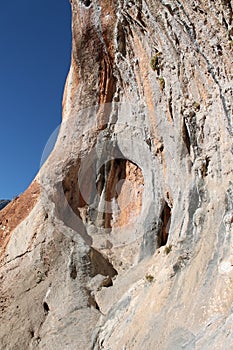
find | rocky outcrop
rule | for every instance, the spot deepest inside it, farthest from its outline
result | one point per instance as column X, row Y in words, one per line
column 124, row 239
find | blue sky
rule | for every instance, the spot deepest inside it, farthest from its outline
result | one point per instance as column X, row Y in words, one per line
column 35, row 51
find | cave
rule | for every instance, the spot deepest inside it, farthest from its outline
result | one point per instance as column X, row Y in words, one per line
column 106, row 196
column 46, row 308
column 121, row 181
column 86, row 3
column 165, row 221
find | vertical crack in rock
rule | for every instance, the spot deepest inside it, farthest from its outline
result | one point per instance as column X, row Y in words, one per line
column 165, row 218
column 186, row 137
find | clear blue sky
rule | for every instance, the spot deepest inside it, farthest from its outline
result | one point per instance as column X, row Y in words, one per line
column 35, row 51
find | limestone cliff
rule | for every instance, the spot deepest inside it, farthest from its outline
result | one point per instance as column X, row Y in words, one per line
column 124, row 239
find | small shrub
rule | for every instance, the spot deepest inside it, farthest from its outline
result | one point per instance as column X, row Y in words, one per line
column 150, row 278
column 161, row 83
column 40, row 277
column 167, row 249
column 154, row 62
column 196, row 106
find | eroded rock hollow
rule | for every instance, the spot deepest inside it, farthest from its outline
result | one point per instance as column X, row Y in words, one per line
column 124, row 239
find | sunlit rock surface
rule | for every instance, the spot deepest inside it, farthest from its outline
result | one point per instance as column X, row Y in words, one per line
column 124, row 239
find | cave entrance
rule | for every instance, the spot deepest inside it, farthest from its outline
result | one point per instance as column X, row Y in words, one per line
column 107, row 197
column 120, row 185
column 165, row 218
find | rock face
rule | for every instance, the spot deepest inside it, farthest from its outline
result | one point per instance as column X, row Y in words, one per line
column 124, row 239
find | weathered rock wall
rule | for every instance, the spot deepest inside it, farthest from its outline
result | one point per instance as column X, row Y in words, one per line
column 129, row 244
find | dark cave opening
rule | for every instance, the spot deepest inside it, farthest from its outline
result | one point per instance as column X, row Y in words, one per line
column 46, row 308
column 186, row 138
column 86, row 3
column 165, row 218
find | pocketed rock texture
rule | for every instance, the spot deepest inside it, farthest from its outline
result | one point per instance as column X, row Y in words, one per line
column 124, row 240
